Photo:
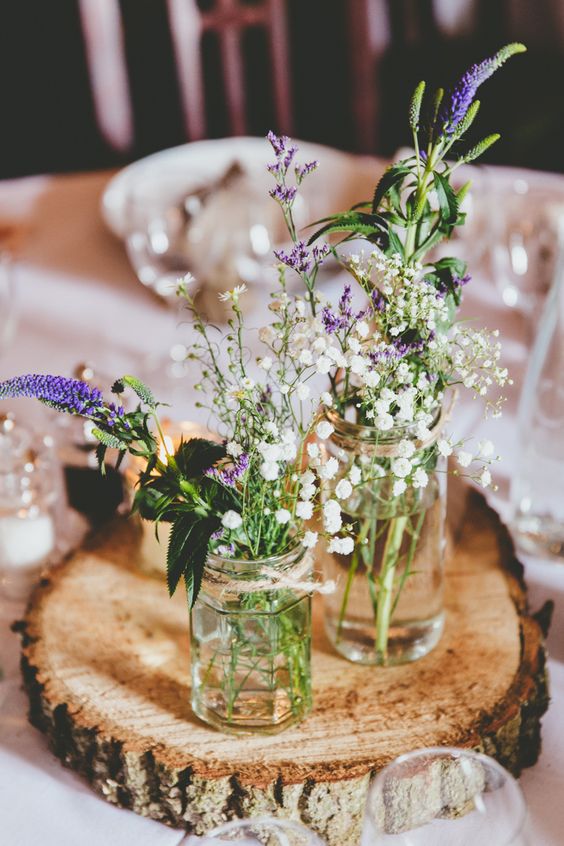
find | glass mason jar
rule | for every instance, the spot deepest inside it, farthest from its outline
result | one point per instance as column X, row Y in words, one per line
column 388, row 606
column 251, row 644
column 29, row 490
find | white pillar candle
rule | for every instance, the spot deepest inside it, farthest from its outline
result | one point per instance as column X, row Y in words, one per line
column 25, row 544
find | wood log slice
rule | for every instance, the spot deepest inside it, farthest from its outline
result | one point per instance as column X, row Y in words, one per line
column 106, row 666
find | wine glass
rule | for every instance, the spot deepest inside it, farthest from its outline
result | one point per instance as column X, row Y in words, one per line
column 262, row 831
column 221, row 231
column 525, row 237
column 445, row 796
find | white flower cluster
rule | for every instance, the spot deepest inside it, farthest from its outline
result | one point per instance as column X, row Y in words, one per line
column 476, row 362
column 280, row 448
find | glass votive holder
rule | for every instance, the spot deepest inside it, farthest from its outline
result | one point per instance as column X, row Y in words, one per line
column 29, row 492
column 262, row 831
column 442, row 797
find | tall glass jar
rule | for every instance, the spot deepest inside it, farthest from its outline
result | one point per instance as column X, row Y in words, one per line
column 251, row 643
column 388, row 606
column 537, row 489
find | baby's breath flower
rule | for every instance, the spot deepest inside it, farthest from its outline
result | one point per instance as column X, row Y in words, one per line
column 343, row 490
column 399, row 487
column 231, row 520
column 309, row 540
column 464, row 458
column 329, row 469
column 342, row 546
column 304, row 510
column 324, row 430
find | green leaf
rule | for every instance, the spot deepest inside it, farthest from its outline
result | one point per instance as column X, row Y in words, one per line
column 394, row 245
column 143, row 392
column 100, row 458
column 391, row 177
column 110, row 441
column 357, row 222
column 195, row 456
column 187, row 552
column 448, row 203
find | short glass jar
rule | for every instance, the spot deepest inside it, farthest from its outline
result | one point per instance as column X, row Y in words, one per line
column 251, row 643
column 29, row 489
column 388, row 606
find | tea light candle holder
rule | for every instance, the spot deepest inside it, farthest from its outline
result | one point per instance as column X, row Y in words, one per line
column 28, row 494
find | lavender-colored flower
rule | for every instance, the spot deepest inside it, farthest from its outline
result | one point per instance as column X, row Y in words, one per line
column 459, row 98
column 320, row 253
column 397, row 349
column 298, row 259
column 460, row 281
column 457, row 282
column 345, row 309
column 331, row 322
column 285, row 195
column 378, row 300
column 289, row 156
column 344, row 317
column 302, row 171
column 229, row 476
column 70, row 395
column 278, row 142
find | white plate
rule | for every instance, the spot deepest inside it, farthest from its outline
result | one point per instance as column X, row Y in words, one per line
column 343, row 179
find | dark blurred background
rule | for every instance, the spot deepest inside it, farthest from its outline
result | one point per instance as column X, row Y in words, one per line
column 96, row 83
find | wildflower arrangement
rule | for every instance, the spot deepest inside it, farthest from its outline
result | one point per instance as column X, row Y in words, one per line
column 391, row 347
column 382, row 358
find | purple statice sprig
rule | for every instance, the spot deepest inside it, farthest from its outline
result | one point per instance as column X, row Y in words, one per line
column 231, row 474
column 298, row 259
column 284, row 194
column 344, row 317
column 301, row 171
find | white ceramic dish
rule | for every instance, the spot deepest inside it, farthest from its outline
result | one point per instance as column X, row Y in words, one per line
column 345, row 178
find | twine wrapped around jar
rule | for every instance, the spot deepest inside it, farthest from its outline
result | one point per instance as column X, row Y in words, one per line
column 387, row 448
column 268, row 578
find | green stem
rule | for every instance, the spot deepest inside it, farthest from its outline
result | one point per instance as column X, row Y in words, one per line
column 345, row 602
column 385, row 595
column 410, row 556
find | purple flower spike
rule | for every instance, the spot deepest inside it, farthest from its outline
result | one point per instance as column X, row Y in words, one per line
column 461, row 96
column 70, row 395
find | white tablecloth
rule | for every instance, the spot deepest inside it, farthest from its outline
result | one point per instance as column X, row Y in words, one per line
column 79, row 300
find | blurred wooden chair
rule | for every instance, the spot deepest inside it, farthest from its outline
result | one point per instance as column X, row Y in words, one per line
column 190, row 22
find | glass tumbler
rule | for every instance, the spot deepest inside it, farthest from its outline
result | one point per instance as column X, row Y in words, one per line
column 445, row 797
column 264, row 831
column 537, row 489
